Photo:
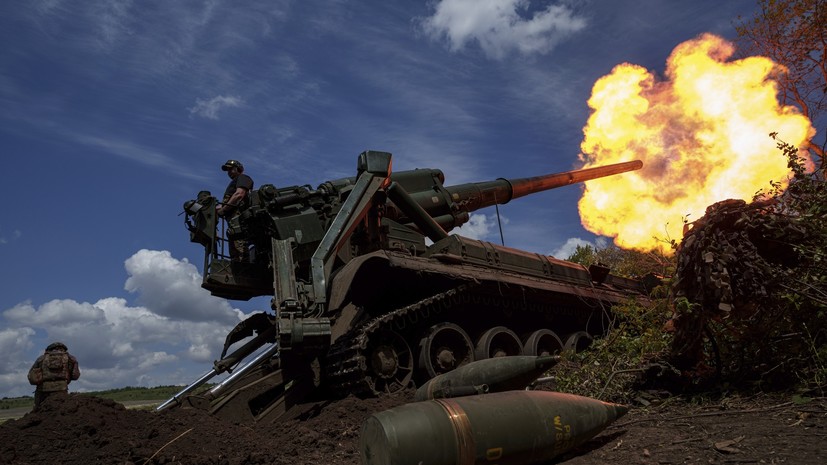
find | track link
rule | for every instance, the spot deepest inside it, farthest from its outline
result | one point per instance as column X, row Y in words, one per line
column 347, row 368
column 347, row 365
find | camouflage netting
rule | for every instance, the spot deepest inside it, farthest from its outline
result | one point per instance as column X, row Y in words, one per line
column 751, row 291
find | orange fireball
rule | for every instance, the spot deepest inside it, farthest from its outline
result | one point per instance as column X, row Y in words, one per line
column 702, row 134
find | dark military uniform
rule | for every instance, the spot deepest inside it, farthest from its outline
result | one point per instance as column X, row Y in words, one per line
column 238, row 247
column 241, row 181
column 52, row 372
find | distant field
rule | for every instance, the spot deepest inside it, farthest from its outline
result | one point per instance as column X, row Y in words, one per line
column 119, row 395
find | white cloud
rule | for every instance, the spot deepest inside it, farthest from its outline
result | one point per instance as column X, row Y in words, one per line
column 13, row 344
column 113, row 17
column 48, row 6
column 54, row 313
column 119, row 344
column 209, row 108
column 565, row 251
column 153, row 359
column 15, row 235
column 131, row 151
column 162, row 40
column 480, row 227
column 477, row 227
column 200, row 353
column 172, row 288
column 498, row 27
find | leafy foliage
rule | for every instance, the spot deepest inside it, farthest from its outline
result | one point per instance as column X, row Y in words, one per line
column 138, row 393
column 622, row 262
column 636, row 345
column 613, row 366
column 751, row 288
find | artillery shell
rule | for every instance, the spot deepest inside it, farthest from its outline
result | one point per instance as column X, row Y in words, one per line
column 499, row 374
column 507, row 428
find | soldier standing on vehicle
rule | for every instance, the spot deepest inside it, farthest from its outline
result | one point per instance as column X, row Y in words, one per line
column 236, row 199
column 53, row 371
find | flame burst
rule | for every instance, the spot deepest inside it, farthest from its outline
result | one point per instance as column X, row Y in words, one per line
column 702, row 134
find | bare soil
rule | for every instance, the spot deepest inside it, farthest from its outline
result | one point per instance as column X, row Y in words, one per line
column 80, row 429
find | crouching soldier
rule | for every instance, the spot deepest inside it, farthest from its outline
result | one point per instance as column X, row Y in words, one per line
column 52, row 372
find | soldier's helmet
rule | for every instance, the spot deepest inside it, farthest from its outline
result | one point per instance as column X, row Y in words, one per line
column 232, row 163
column 56, row 346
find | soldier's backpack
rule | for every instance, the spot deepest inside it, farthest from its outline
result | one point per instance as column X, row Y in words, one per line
column 55, row 366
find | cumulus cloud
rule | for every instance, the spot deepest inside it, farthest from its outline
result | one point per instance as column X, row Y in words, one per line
column 480, row 227
column 54, row 312
column 153, row 359
column 200, row 353
column 209, row 108
column 563, row 252
column 172, row 288
column 119, row 344
column 13, row 344
column 498, row 26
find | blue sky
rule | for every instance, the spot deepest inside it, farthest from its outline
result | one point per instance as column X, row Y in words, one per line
column 113, row 113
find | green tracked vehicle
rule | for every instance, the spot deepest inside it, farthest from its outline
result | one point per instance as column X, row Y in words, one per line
column 371, row 294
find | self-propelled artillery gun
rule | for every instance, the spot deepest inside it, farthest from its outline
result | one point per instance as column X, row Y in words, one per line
column 370, row 293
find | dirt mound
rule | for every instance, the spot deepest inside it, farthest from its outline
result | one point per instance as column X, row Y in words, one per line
column 80, row 429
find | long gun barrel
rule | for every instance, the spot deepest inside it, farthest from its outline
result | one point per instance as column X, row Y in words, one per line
column 485, row 194
column 422, row 198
